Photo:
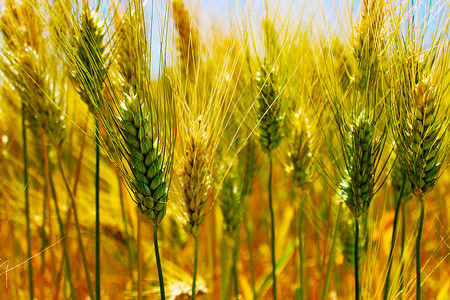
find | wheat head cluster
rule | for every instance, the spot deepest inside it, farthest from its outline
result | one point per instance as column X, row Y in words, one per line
column 249, row 149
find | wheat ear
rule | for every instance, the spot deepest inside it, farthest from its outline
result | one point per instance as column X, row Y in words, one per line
column 270, row 136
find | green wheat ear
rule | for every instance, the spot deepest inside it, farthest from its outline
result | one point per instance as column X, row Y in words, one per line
column 425, row 139
column 232, row 204
column 300, row 153
column 145, row 161
column 269, row 111
column 363, row 150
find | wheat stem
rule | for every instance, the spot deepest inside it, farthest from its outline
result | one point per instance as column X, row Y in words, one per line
column 77, row 226
column 419, row 238
column 357, row 292
column 158, row 261
column 272, row 229
column 194, row 277
column 61, row 230
column 402, row 246
column 250, row 254
column 300, row 245
column 331, row 258
column 234, row 268
column 224, row 263
column 394, row 235
column 45, row 202
column 27, row 203
column 139, row 251
column 97, row 211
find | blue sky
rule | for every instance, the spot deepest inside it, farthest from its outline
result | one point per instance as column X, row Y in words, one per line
column 328, row 13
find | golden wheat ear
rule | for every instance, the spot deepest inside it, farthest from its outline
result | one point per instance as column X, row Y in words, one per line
column 195, row 177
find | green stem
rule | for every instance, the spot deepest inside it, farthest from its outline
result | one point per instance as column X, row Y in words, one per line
column 235, row 270
column 272, row 221
column 331, row 259
column 357, row 293
column 394, row 235
column 125, row 227
column 63, row 236
column 139, row 260
column 44, row 221
column 250, row 254
column 46, row 200
column 97, row 211
column 225, row 275
column 300, row 246
column 194, row 277
column 419, row 238
column 77, row 226
column 158, row 262
column 402, row 249
column 27, row 202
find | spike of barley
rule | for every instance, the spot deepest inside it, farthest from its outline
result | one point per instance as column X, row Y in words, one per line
column 269, row 112
column 188, row 41
column 300, row 154
column 195, row 177
column 358, row 185
column 90, row 49
column 425, row 139
column 145, row 160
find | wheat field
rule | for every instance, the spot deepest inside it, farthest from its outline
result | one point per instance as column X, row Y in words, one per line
column 245, row 149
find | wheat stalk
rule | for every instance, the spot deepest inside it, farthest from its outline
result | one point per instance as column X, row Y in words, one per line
column 90, row 55
column 422, row 141
column 270, row 135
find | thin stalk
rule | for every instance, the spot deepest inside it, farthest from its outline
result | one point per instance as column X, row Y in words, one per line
column 27, row 203
column 61, row 230
column 300, row 245
column 394, row 235
column 125, row 226
column 272, row 221
column 45, row 202
column 250, row 254
column 194, row 276
column 158, row 262
column 402, row 249
column 296, row 263
column 97, row 211
column 419, row 238
column 234, row 268
column 77, row 226
column 357, row 293
column 76, row 176
column 225, row 275
column 139, row 260
column 331, row 259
